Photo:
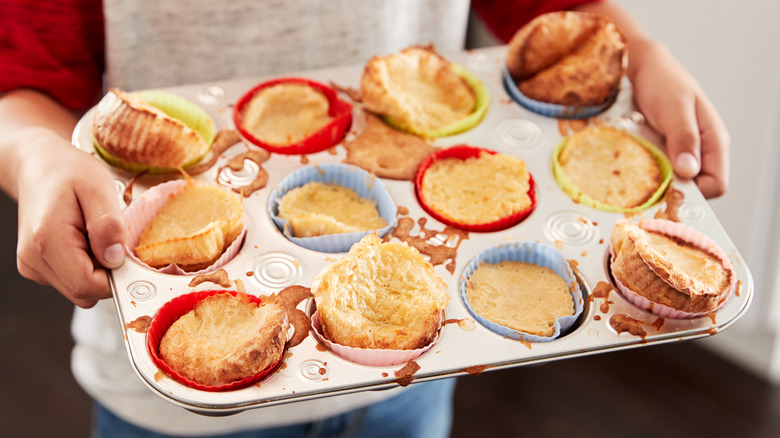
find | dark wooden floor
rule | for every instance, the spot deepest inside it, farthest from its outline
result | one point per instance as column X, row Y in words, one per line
column 674, row 390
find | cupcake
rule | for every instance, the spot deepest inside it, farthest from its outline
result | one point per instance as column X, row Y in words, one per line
column 292, row 116
column 566, row 64
column 670, row 269
column 380, row 296
column 523, row 291
column 419, row 91
column 475, row 189
column 150, row 131
column 330, row 207
column 610, row 169
column 185, row 226
column 218, row 340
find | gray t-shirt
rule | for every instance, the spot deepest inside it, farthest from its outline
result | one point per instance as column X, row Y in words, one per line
column 153, row 44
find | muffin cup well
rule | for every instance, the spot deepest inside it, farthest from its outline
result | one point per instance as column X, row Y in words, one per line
column 144, row 208
column 324, row 138
column 177, row 107
column 552, row 109
column 463, row 152
column 480, row 109
column 570, row 189
column 528, row 252
column 684, row 233
column 169, row 313
column 365, row 184
column 369, row 356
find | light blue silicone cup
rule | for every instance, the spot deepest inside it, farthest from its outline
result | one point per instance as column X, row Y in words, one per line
column 365, row 184
column 528, row 252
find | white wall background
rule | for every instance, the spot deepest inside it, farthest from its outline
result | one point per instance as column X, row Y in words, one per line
column 733, row 49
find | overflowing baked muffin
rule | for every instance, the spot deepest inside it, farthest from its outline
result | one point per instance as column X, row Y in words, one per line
column 134, row 131
column 192, row 229
column 224, row 339
column 670, row 265
column 568, row 58
column 317, row 208
column 522, row 296
column 476, row 187
column 380, row 296
column 417, row 89
column 610, row 166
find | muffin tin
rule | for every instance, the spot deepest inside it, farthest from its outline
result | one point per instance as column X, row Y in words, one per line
column 269, row 262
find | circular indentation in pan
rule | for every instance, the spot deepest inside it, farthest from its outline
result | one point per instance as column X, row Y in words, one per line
column 211, row 94
column 277, row 270
column 314, row 370
column 239, row 178
column 477, row 60
column 690, row 211
column 571, row 228
column 519, row 133
column 141, row 290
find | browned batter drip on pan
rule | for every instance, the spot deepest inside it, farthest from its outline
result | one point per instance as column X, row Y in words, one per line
column 570, row 126
column 236, row 163
column 438, row 254
column 140, row 324
column 289, row 298
column 127, row 195
column 674, row 199
column 218, row 277
column 624, row 323
column 405, row 375
column 476, row 370
column 222, row 142
column 354, row 94
column 602, row 291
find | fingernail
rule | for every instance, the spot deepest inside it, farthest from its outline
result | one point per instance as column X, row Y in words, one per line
column 114, row 255
column 687, row 164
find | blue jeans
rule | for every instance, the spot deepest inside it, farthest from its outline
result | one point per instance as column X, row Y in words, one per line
column 424, row 410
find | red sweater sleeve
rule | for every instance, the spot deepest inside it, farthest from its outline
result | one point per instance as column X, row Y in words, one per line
column 504, row 17
column 56, row 47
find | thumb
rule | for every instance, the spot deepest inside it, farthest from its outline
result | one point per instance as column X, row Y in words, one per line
column 104, row 222
column 683, row 145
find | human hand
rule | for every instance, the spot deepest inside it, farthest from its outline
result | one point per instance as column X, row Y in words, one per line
column 70, row 225
column 697, row 141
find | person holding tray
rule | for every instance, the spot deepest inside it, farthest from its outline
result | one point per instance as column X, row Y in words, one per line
column 54, row 61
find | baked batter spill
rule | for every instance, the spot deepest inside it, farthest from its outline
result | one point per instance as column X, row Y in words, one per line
column 569, row 126
column 438, row 253
column 236, row 164
column 674, row 199
column 127, row 195
column 602, row 291
column 289, row 298
column 624, row 323
column 140, row 324
column 405, row 375
column 222, row 142
column 219, row 277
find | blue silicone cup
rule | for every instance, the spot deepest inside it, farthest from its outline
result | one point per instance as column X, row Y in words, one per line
column 552, row 109
column 365, row 184
column 529, row 252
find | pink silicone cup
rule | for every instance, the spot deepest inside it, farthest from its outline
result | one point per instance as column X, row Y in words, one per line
column 169, row 313
column 693, row 237
column 369, row 356
column 145, row 207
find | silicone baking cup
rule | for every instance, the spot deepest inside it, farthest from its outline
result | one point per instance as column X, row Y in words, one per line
column 177, row 107
column 480, row 109
column 172, row 311
column 565, row 183
column 365, row 184
column 528, row 252
column 327, row 136
column 369, row 356
column 684, row 233
column 552, row 109
column 145, row 207
column 463, row 152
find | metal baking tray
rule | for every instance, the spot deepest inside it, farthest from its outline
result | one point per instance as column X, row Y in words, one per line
column 269, row 262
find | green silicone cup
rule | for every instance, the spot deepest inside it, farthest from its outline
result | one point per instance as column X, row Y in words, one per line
column 565, row 183
column 177, row 107
column 480, row 109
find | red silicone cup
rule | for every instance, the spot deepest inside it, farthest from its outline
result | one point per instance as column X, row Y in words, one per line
column 463, row 152
column 326, row 137
column 169, row 313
